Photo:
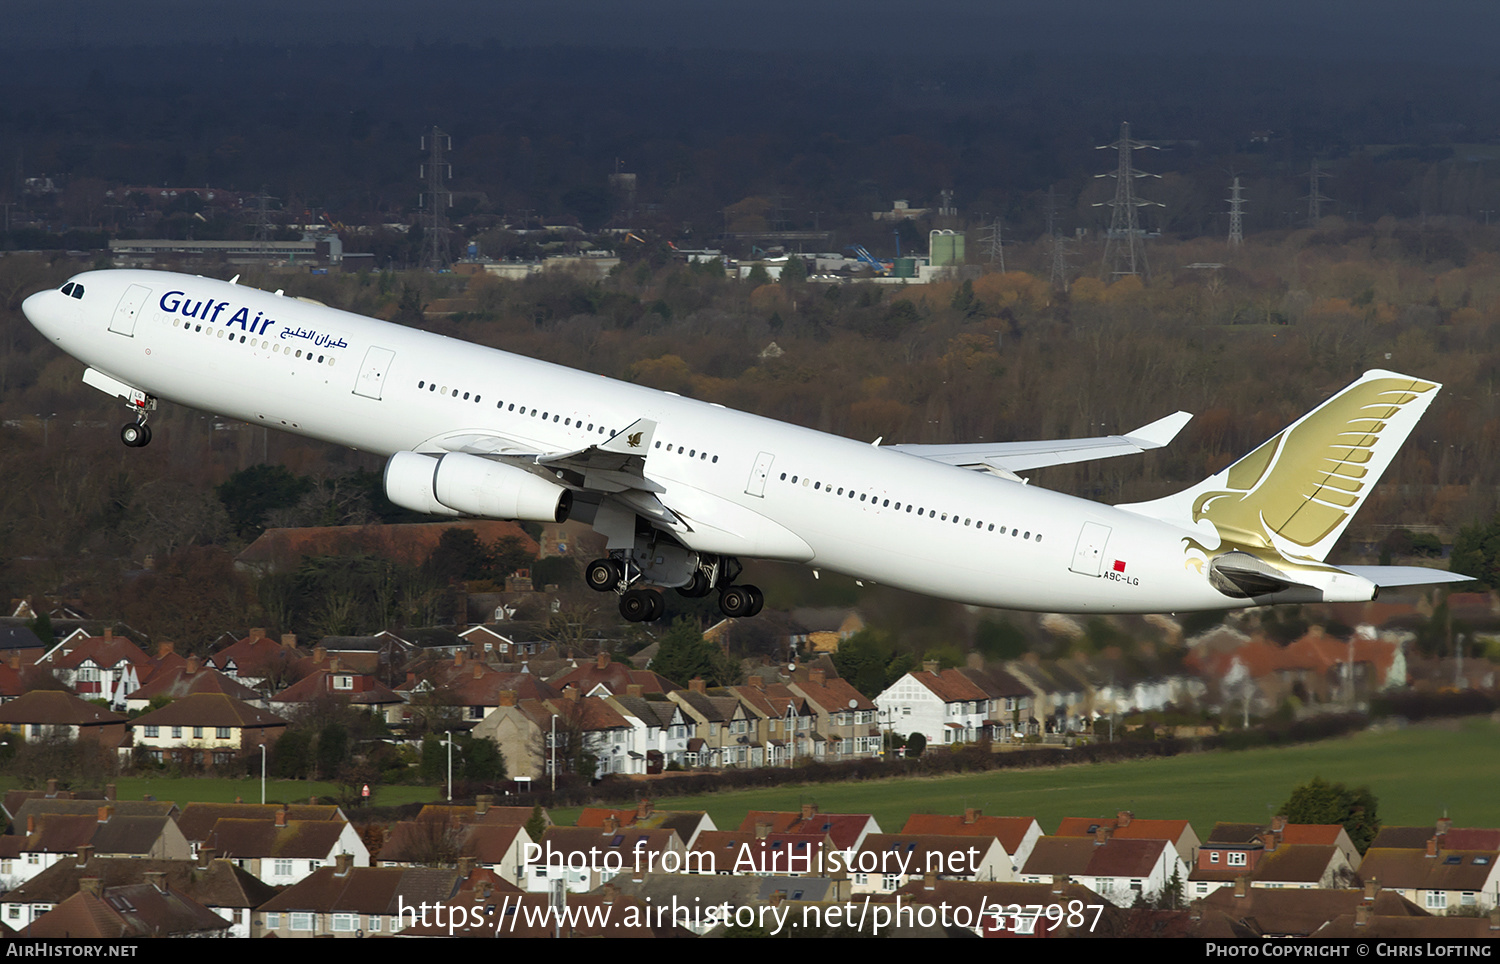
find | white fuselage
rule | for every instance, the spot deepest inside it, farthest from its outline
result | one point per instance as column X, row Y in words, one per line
column 824, row 501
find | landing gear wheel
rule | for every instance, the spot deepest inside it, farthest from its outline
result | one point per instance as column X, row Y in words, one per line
column 602, row 575
column 698, row 588
column 135, row 435
column 737, row 601
column 641, row 605
column 758, row 600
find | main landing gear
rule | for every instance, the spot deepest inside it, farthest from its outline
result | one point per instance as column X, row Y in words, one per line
column 642, row 604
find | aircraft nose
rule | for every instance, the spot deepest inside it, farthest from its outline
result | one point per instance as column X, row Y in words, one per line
column 42, row 308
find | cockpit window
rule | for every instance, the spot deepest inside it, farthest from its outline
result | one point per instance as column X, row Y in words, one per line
column 73, row 288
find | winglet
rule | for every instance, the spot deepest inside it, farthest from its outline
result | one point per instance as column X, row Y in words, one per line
column 634, row 439
column 1159, row 432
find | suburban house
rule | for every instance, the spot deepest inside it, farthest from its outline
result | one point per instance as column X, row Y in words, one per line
column 1016, row 834
column 348, row 901
column 1118, row 870
column 281, row 851
column 208, row 729
column 55, row 715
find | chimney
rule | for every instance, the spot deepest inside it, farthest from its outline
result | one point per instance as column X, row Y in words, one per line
column 288, row 641
column 1278, row 823
column 109, row 792
column 15, row 661
column 206, row 856
column 482, row 803
column 1123, row 818
column 611, row 825
column 257, row 632
column 333, row 665
column 482, row 889
column 51, row 788
column 643, row 808
column 193, row 665
column 1372, row 887
column 465, row 867
column 1060, row 883
column 1432, row 846
column 929, row 881
column 571, row 693
column 1242, row 886
column 696, row 685
column 458, row 657
column 971, row 814
column 342, row 864
column 634, row 689
column 762, row 830
column 411, row 679
column 85, row 853
column 507, row 697
column 281, row 817
column 930, row 666
column 157, row 879
column 817, row 676
column 601, row 660
column 1270, row 840
column 90, row 886
column 1362, row 915
column 478, row 670
column 611, row 893
column 759, row 682
column 163, row 650
column 109, row 634
column 809, row 810
column 1444, row 825
column 105, row 813
column 319, row 654
column 1102, row 835
column 30, row 823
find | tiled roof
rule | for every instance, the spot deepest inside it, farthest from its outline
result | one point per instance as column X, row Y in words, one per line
column 54, row 708
column 207, row 709
column 213, row 883
column 198, row 819
column 1415, row 870
column 135, row 910
column 365, row 890
column 182, row 681
column 238, row 838
column 1010, row 831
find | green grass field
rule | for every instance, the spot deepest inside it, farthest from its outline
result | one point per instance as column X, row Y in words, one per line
column 1418, row 773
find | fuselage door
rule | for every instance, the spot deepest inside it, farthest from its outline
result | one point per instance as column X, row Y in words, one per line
column 1089, row 554
column 757, row 484
column 129, row 309
column 372, row 373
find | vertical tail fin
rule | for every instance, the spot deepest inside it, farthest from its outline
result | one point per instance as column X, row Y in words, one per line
column 1296, row 493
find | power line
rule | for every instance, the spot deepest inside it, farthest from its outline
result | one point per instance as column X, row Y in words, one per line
column 1124, row 245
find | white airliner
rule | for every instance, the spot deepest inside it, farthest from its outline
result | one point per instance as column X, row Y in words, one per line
column 683, row 489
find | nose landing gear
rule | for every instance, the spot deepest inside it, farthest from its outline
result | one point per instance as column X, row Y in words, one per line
column 136, row 434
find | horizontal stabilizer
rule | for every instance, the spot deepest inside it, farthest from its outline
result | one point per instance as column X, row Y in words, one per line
column 1389, row 577
column 1005, row 457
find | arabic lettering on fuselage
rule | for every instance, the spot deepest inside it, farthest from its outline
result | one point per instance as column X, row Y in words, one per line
column 208, row 310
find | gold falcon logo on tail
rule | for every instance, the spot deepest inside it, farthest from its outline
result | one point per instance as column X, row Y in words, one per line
column 1295, row 494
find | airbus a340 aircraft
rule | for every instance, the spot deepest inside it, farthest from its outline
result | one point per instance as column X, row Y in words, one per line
column 683, row 489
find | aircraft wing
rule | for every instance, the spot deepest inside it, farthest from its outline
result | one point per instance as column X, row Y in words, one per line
column 1009, row 457
column 616, row 467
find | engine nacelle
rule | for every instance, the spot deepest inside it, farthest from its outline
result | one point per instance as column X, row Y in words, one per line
column 408, row 483
column 461, row 484
column 494, row 490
